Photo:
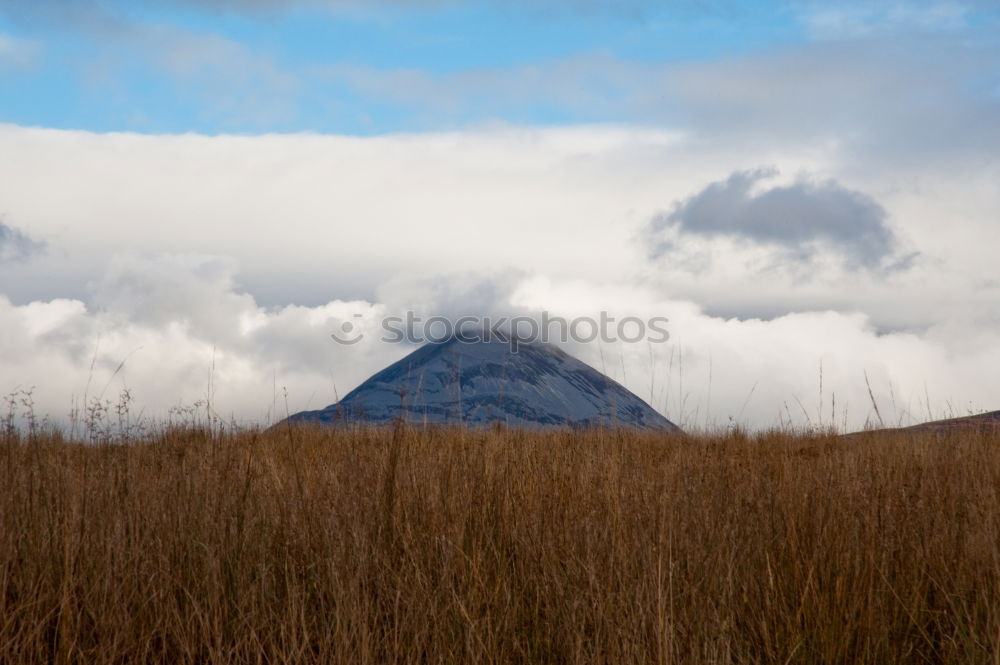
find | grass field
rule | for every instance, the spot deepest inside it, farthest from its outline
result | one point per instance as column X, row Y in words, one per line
column 460, row 546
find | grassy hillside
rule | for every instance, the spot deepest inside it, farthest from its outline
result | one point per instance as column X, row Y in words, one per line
column 451, row 546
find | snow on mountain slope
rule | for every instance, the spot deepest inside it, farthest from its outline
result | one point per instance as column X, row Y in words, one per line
column 468, row 380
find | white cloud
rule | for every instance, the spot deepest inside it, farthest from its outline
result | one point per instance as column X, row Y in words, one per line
column 714, row 368
column 313, row 217
column 166, row 250
column 756, row 372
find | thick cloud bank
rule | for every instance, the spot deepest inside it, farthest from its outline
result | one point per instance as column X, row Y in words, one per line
column 183, row 267
column 174, row 331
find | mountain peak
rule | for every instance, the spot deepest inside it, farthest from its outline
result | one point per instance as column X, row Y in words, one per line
column 481, row 378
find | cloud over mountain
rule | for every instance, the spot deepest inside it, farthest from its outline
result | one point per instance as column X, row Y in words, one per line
column 250, row 353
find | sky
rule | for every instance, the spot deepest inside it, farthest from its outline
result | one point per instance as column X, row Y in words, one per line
column 195, row 194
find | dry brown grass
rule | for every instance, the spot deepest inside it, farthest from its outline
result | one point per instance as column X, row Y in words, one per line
column 452, row 546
